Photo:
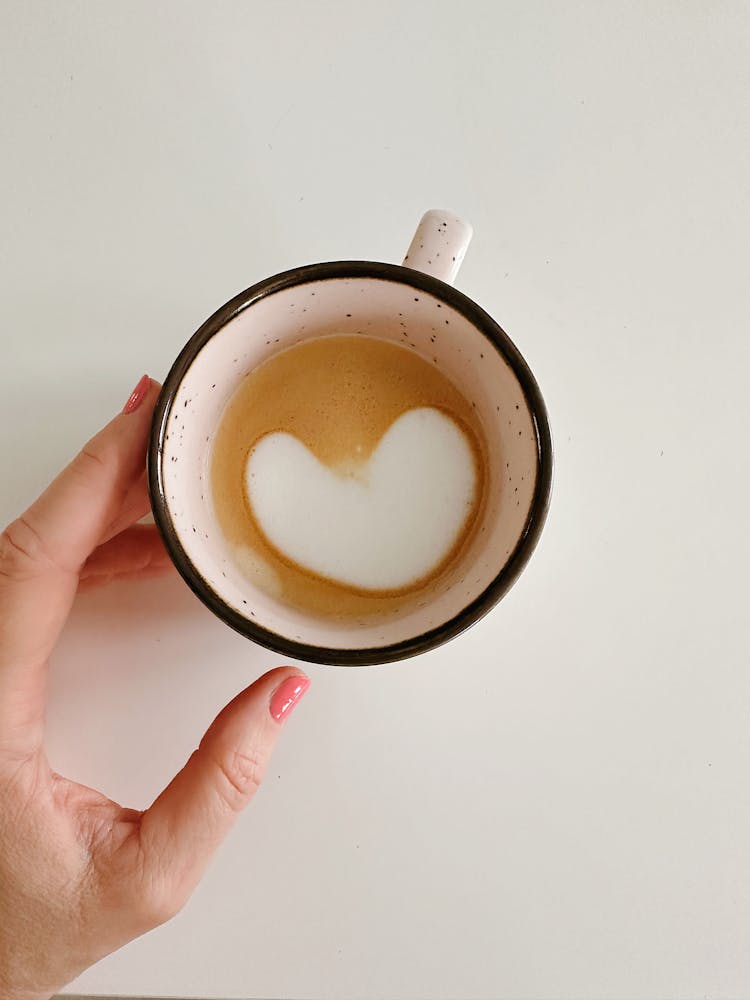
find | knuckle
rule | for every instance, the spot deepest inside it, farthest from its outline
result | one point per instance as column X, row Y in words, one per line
column 21, row 549
column 157, row 906
column 241, row 776
column 147, row 892
column 96, row 467
column 141, row 886
column 88, row 461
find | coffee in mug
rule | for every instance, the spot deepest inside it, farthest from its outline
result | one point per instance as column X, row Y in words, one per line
column 348, row 472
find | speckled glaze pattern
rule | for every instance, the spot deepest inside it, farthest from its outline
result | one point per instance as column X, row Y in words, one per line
column 439, row 245
column 422, row 313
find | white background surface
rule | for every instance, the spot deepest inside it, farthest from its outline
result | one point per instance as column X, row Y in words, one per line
column 557, row 803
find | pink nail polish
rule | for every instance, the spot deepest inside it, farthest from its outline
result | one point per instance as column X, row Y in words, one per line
column 286, row 696
column 137, row 395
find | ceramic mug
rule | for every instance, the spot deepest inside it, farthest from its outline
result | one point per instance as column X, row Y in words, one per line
column 444, row 326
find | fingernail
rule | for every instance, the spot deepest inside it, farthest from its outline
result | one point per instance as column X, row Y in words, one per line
column 137, row 395
column 286, row 696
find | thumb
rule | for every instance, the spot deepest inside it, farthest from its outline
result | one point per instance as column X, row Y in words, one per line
column 188, row 821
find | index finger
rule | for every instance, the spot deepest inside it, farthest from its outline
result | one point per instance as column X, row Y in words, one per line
column 41, row 554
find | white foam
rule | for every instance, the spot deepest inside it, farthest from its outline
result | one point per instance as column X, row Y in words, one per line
column 379, row 525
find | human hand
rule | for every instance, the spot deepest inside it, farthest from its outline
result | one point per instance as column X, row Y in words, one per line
column 79, row 874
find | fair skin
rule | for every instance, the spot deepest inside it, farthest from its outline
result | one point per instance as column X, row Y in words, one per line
column 80, row 875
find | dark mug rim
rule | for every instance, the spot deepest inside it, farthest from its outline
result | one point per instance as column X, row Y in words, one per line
column 511, row 568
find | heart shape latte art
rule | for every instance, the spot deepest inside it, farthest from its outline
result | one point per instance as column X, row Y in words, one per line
column 383, row 524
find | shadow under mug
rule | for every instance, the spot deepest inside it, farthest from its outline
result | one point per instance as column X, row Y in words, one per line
column 419, row 309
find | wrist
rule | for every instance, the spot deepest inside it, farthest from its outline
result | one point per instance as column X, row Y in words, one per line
column 24, row 995
column 9, row 991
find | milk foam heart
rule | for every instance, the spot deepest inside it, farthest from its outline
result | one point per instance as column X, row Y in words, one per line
column 376, row 525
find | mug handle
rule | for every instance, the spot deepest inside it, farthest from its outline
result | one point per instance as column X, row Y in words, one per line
column 439, row 244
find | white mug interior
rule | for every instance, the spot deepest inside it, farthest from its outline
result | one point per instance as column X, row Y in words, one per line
column 360, row 305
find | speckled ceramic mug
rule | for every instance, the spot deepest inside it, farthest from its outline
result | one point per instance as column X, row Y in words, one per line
column 443, row 324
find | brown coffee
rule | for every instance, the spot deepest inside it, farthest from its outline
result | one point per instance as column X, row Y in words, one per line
column 344, row 399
